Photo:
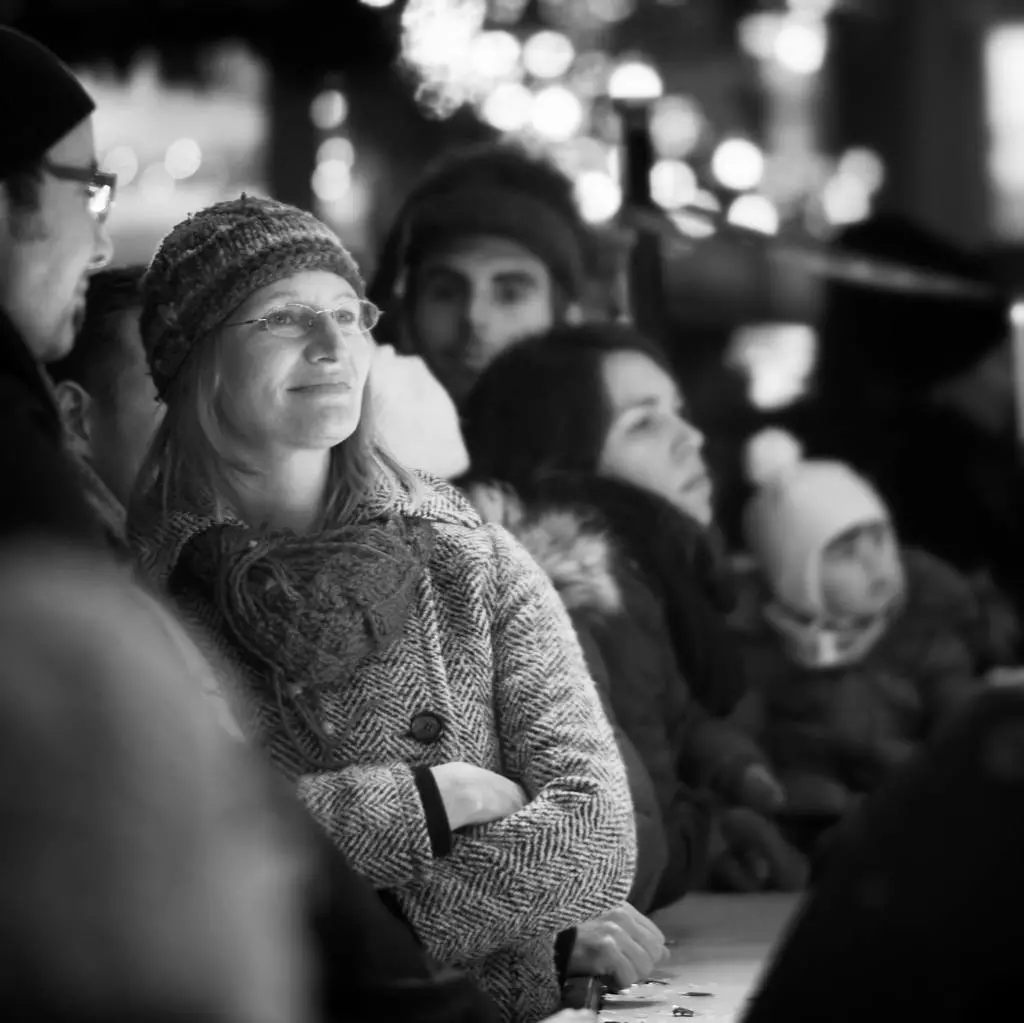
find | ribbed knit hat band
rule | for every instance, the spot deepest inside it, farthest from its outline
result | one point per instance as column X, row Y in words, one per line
column 209, row 264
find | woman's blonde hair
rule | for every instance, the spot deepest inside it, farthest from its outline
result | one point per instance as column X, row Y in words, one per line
column 191, row 457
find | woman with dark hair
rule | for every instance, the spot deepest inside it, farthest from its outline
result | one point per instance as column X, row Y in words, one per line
column 604, row 482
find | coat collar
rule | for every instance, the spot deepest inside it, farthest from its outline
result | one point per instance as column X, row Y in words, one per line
column 18, row 364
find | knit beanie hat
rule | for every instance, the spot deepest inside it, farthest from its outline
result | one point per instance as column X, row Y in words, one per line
column 210, row 263
column 799, row 508
column 40, row 100
column 498, row 190
column 916, row 340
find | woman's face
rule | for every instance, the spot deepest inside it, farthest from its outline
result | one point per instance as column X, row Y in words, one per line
column 650, row 442
column 293, row 380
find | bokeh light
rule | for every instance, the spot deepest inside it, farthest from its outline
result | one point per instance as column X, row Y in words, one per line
column 122, row 161
column 328, row 109
column 673, row 184
column 336, row 148
column 183, row 158
column 845, row 200
column 598, row 196
column 738, row 164
column 508, row 107
column 865, row 165
column 755, row 212
column 548, row 54
column 801, row 46
column 635, row 80
column 331, row 180
column 557, row 113
column 495, row 55
column 676, row 126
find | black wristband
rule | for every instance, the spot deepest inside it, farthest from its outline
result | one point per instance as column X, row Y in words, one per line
column 563, row 952
column 438, row 826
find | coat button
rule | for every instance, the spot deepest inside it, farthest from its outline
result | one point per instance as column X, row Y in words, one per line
column 426, row 727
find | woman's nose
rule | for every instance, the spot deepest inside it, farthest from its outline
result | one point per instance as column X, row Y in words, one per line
column 689, row 439
column 327, row 341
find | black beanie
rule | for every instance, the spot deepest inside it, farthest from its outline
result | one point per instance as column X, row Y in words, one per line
column 916, row 340
column 497, row 189
column 40, row 100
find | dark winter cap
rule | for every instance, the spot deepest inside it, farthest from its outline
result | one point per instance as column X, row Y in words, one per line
column 495, row 189
column 40, row 100
column 917, row 340
column 210, row 263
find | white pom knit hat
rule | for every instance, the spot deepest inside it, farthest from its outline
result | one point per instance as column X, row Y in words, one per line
column 799, row 508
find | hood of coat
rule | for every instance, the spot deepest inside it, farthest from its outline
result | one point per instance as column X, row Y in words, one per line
column 576, row 553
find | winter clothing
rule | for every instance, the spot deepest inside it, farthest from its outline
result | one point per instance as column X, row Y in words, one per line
column 835, row 733
column 57, row 102
column 213, row 261
column 622, row 618
column 538, row 420
column 414, row 416
column 493, row 189
column 451, row 646
column 41, row 489
column 927, row 876
column 792, row 519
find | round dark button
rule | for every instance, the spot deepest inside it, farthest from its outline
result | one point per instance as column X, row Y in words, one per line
column 426, row 727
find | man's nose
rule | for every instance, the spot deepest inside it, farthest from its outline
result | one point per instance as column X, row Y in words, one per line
column 103, row 250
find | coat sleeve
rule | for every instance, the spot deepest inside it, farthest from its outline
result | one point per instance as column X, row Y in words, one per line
column 570, row 853
column 651, row 842
column 375, row 815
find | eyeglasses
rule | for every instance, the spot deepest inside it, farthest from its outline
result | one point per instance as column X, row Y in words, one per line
column 101, row 185
column 296, row 321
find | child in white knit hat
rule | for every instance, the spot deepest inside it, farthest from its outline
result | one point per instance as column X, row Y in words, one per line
column 859, row 648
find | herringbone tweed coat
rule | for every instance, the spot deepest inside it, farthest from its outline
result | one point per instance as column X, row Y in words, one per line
column 490, row 651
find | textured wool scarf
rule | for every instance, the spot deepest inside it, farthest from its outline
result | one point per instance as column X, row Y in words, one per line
column 307, row 611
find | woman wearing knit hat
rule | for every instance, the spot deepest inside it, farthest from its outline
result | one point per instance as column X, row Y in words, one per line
column 610, row 493
column 487, row 249
column 409, row 668
column 858, row 649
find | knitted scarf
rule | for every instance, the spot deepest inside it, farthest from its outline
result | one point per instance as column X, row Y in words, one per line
column 307, row 611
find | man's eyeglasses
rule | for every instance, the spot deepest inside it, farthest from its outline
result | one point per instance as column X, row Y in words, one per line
column 297, row 321
column 101, row 185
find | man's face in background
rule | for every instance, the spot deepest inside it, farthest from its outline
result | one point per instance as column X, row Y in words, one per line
column 474, row 299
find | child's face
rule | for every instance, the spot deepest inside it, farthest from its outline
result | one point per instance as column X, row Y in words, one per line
column 860, row 571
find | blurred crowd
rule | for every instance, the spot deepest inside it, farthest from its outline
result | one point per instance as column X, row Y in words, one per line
column 387, row 649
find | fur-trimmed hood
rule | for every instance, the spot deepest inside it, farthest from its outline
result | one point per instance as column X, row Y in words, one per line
column 577, row 554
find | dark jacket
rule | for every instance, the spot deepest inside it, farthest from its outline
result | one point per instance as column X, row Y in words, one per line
column 667, row 739
column 835, row 733
column 42, row 492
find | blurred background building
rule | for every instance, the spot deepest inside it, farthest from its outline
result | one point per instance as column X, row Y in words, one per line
column 789, row 117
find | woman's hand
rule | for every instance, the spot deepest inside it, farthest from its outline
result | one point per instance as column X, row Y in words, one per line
column 474, row 795
column 621, row 943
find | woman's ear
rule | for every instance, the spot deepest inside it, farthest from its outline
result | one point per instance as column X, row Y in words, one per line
column 76, row 413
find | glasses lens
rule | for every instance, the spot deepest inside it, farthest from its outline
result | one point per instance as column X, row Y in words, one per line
column 99, row 201
column 291, row 321
column 369, row 315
